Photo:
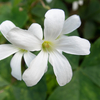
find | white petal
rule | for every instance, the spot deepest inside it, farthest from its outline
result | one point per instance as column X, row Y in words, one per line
column 24, row 39
column 53, row 23
column 7, row 50
column 6, row 26
column 36, row 70
column 61, row 67
column 36, row 30
column 16, row 65
column 74, row 45
column 28, row 57
column 71, row 24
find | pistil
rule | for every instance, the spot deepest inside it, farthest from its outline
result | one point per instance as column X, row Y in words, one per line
column 47, row 46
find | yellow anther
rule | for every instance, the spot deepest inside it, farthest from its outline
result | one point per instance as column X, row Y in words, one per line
column 47, row 46
column 23, row 50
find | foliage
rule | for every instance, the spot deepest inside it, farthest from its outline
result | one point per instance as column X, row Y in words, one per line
column 85, row 84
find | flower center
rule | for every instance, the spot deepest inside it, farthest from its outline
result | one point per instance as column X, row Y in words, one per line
column 47, row 46
column 23, row 50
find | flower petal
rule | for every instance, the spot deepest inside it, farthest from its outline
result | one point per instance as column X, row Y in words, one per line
column 74, row 45
column 6, row 26
column 53, row 23
column 28, row 57
column 16, row 65
column 71, row 24
column 7, row 50
column 61, row 67
column 36, row 70
column 24, row 39
column 36, row 30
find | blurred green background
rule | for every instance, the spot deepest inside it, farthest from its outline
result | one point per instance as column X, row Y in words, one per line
column 85, row 84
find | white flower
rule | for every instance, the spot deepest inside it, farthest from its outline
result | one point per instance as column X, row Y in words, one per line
column 75, row 4
column 9, row 49
column 51, row 46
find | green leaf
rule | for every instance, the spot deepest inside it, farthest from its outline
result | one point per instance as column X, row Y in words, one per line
column 91, row 64
column 89, row 30
column 4, row 0
column 74, row 33
column 3, row 94
column 3, row 82
column 92, row 10
column 73, row 60
column 93, row 59
column 5, row 70
column 93, row 72
column 18, row 17
column 4, row 12
column 2, row 39
column 39, row 11
column 59, row 4
column 80, row 88
column 70, row 1
column 10, row 95
column 50, row 79
column 19, row 91
column 15, row 2
column 37, row 92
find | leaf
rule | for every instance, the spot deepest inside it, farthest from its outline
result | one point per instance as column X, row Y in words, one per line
column 91, row 64
column 92, row 9
column 80, row 88
column 50, row 79
column 59, row 4
column 39, row 11
column 70, row 1
column 10, row 95
column 3, row 95
column 89, row 30
column 74, row 33
column 5, row 70
column 93, row 58
column 2, row 39
column 3, row 82
column 73, row 60
column 4, row 12
column 18, row 17
column 15, row 2
column 19, row 91
column 37, row 92
column 93, row 72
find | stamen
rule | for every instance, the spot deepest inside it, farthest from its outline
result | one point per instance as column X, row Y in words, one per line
column 23, row 50
column 47, row 46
